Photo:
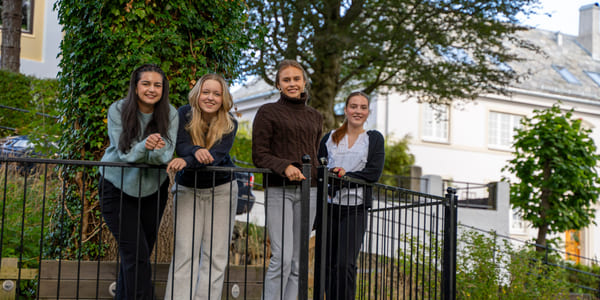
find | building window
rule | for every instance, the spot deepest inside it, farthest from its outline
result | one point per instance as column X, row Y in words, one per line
column 502, row 129
column 517, row 224
column 594, row 76
column 566, row 75
column 27, row 22
column 435, row 123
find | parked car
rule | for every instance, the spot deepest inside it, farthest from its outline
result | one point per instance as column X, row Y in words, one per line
column 245, row 201
column 21, row 146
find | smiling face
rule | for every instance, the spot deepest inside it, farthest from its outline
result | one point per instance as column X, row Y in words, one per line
column 357, row 111
column 211, row 97
column 291, row 82
column 149, row 90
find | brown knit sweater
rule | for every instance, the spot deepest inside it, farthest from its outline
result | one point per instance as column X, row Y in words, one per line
column 282, row 133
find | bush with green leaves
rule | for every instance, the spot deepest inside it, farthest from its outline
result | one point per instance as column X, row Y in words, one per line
column 37, row 96
column 489, row 267
column 398, row 160
column 103, row 43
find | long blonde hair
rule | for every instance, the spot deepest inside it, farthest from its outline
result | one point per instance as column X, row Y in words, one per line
column 203, row 133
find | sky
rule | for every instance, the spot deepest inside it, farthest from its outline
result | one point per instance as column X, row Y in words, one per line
column 558, row 15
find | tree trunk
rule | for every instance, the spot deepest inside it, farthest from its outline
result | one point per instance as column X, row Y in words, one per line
column 545, row 205
column 541, row 239
column 12, row 16
column 325, row 78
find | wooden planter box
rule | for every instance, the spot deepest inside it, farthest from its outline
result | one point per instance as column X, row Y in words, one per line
column 93, row 279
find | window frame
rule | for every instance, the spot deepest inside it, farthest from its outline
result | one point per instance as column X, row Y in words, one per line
column 517, row 224
column 594, row 76
column 28, row 19
column 495, row 126
column 566, row 75
column 440, row 128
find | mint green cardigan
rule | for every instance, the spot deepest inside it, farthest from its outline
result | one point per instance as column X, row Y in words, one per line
column 137, row 182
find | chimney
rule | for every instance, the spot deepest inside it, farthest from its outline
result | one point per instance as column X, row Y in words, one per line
column 559, row 38
column 589, row 29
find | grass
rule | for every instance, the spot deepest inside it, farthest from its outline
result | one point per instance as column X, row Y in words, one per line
column 24, row 203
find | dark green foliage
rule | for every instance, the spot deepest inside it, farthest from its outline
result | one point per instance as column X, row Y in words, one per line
column 104, row 41
column 435, row 50
column 397, row 164
column 34, row 95
column 555, row 163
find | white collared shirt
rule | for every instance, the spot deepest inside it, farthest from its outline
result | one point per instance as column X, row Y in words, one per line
column 351, row 159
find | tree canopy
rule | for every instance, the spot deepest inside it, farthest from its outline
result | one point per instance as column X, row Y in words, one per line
column 437, row 50
column 555, row 164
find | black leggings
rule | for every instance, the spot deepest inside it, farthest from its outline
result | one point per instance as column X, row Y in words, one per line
column 346, row 227
column 134, row 223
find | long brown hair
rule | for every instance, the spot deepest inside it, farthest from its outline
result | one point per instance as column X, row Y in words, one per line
column 204, row 134
column 339, row 133
column 129, row 110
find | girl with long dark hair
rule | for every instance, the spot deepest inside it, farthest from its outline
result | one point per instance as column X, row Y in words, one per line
column 142, row 128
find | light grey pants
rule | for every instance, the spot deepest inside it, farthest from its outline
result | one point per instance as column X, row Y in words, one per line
column 283, row 225
column 192, row 276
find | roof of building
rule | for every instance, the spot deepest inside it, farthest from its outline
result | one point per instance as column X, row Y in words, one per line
column 562, row 53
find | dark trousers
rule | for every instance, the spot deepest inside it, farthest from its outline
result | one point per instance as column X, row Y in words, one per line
column 346, row 227
column 134, row 223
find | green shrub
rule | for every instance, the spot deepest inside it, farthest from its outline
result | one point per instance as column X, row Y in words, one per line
column 491, row 268
column 38, row 96
column 397, row 164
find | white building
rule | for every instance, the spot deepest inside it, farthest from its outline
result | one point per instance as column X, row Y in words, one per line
column 471, row 142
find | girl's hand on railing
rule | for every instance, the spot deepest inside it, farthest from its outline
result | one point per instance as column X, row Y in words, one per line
column 176, row 165
column 339, row 171
column 203, row 156
column 293, row 174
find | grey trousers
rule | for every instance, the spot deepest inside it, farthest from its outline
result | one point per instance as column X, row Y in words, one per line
column 193, row 275
column 283, row 226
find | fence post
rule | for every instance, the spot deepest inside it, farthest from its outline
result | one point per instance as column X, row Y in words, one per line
column 304, row 229
column 449, row 255
column 321, row 237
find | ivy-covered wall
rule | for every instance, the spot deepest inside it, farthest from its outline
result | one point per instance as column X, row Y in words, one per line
column 104, row 41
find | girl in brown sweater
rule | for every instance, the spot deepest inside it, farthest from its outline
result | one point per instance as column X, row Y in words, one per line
column 282, row 133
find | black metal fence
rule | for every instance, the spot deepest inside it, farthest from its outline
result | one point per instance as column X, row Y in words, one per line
column 55, row 244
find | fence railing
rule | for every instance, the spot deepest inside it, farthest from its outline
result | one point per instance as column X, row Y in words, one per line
column 55, row 244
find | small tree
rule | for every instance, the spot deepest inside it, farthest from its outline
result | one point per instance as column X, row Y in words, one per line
column 398, row 160
column 555, row 164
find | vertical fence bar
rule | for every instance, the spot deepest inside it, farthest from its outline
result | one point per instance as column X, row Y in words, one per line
column 321, row 237
column 449, row 255
column 304, row 229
